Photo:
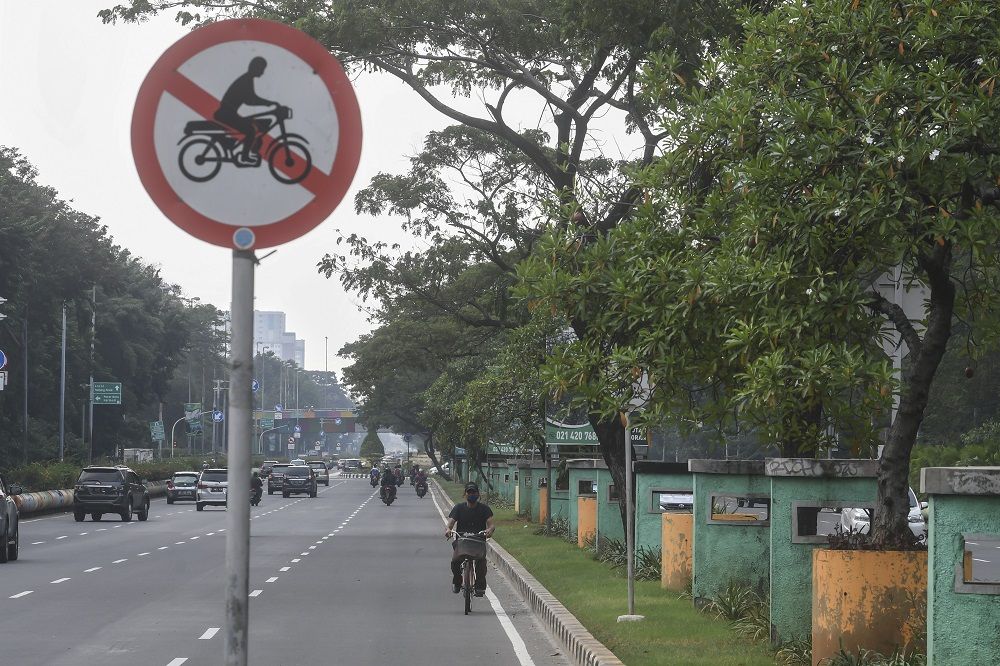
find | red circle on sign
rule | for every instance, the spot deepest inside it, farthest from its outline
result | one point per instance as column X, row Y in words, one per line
column 328, row 190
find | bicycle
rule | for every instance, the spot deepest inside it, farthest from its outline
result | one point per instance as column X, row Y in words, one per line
column 471, row 546
column 208, row 144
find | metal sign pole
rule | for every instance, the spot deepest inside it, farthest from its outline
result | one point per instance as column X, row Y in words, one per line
column 239, row 418
column 630, row 525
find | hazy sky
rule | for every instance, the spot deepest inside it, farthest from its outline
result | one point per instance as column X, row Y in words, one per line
column 69, row 84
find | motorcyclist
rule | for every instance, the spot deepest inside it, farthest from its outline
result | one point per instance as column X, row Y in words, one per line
column 420, row 476
column 413, row 473
column 388, row 483
column 374, row 476
column 399, row 475
column 256, row 486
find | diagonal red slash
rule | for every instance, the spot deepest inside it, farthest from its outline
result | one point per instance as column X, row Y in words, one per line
column 205, row 105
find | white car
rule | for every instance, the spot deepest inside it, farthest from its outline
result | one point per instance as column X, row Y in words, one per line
column 213, row 488
column 859, row 520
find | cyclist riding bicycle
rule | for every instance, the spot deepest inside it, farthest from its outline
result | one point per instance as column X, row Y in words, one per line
column 470, row 516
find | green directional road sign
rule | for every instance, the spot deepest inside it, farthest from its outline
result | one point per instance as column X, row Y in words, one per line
column 266, row 424
column 107, row 393
column 156, row 431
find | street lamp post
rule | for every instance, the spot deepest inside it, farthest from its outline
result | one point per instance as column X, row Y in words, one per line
column 172, row 444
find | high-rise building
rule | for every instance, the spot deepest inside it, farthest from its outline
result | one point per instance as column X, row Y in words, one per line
column 269, row 335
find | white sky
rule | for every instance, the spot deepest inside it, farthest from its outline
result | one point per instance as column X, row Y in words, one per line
column 69, row 84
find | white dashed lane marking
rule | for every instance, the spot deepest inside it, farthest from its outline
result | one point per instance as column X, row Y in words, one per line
column 91, row 569
column 58, row 580
column 284, row 569
column 211, row 631
column 271, row 579
column 21, row 594
column 256, row 593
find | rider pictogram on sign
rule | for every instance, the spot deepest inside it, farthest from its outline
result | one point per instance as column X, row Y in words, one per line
column 246, row 133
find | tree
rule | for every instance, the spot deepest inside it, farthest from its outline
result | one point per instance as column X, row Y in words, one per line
column 371, row 446
column 575, row 61
column 841, row 141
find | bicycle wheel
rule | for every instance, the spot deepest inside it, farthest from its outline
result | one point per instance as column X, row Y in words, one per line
column 200, row 160
column 467, row 583
column 289, row 161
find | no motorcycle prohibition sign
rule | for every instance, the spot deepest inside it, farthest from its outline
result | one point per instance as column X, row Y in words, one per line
column 246, row 133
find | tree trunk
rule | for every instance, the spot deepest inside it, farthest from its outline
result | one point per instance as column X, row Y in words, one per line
column 889, row 524
column 611, row 435
column 429, row 448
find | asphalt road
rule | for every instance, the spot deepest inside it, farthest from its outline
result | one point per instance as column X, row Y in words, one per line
column 337, row 579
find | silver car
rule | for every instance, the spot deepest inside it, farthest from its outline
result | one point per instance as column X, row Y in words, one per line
column 859, row 520
column 321, row 471
column 10, row 532
column 182, row 486
column 213, row 488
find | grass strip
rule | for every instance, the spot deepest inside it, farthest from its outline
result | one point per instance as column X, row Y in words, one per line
column 673, row 633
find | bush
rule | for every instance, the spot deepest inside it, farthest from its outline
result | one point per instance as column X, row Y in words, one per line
column 40, row 476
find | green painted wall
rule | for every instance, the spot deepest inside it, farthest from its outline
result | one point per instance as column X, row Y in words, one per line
column 791, row 563
column 961, row 628
column 648, row 521
column 725, row 553
column 609, row 517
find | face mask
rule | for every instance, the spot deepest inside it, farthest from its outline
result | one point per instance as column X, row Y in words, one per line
column 472, row 497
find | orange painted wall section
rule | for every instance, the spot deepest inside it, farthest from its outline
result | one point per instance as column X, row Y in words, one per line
column 876, row 600
column 543, row 493
column 586, row 516
column 676, row 549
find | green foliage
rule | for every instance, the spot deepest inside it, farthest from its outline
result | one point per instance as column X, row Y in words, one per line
column 872, row 658
column 977, row 447
column 737, row 602
column 795, row 653
column 372, row 448
column 38, row 476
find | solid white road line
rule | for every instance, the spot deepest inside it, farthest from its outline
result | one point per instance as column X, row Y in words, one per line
column 178, row 661
column 21, row 594
column 520, row 649
column 91, row 569
column 58, row 580
column 271, row 579
column 256, row 593
column 211, row 631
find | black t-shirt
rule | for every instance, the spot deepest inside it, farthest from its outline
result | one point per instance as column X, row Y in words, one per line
column 470, row 518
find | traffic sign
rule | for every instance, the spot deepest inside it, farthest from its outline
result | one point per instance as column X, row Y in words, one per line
column 266, row 424
column 156, row 432
column 278, row 416
column 3, row 360
column 107, row 393
column 3, row 379
column 278, row 408
column 297, row 429
column 298, row 435
column 188, row 129
column 255, row 386
column 407, row 437
column 218, row 416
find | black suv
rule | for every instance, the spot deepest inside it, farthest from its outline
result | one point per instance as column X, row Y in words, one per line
column 101, row 490
column 276, row 478
column 299, row 479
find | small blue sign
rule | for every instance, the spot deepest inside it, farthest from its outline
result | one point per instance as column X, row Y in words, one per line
column 3, row 360
column 298, row 429
column 337, row 420
column 217, row 416
column 255, row 385
column 277, row 408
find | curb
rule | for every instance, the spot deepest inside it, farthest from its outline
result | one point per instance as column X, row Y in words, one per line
column 54, row 501
column 579, row 643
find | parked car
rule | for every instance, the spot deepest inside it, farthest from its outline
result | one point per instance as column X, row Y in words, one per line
column 101, row 490
column 322, row 473
column 182, row 486
column 213, row 488
column 276, row 478
column 676, row 501
column 265, row 467
column 10, row 533
column 859, row 520
column 299, row 479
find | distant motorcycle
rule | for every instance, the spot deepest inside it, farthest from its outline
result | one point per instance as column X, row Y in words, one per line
column 388, row 494
column 421, row 487
column 374, row 481
column 255, row 495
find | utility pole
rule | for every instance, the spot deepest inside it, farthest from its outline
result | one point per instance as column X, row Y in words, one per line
column 93, row 337
column 62, row 389
column 24, row 355
column 326, row 351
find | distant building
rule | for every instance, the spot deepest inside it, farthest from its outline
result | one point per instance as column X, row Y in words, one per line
column 269, row 335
